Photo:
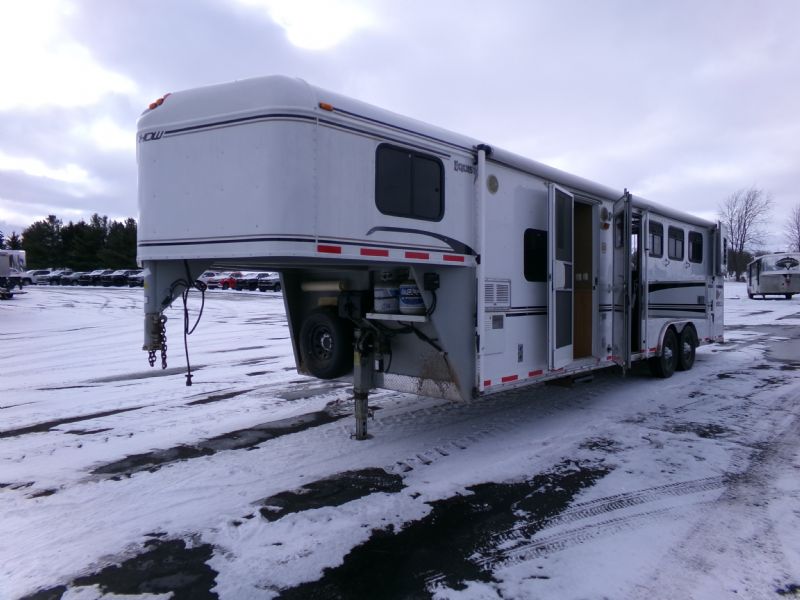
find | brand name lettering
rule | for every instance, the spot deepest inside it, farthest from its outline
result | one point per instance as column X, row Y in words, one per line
column 150, row 136
column 462, row 168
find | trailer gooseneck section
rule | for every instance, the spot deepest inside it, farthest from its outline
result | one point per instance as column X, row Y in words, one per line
column 421, row 260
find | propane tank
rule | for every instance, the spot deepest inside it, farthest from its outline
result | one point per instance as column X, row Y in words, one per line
column 411, row 302
column 386, row 295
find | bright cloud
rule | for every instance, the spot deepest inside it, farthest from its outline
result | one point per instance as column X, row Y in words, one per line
column 34, row 167
column 108, row 135
column 315, row 24
column 41, row 67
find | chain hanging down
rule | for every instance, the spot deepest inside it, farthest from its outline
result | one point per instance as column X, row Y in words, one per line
column 162, row 336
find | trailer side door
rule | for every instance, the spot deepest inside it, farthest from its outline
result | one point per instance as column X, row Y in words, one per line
column 621, row 315
column 560, row 314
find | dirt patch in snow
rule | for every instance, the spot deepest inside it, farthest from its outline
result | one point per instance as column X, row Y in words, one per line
column 457, row 542
column 234, row 440
column 331, row 491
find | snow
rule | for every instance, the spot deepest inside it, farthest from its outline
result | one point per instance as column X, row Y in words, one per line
column 694, row 491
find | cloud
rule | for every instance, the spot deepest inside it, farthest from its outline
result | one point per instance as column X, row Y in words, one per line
column 43, row 66
column 315, row 24
column 34, row 167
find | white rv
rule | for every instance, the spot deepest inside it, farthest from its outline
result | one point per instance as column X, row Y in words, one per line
column 12, row 265
column 428, row 261
column 774, row 274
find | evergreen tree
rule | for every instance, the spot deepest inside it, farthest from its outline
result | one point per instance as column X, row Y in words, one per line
column 42, row 243
column 14, row 242
column 120, row 248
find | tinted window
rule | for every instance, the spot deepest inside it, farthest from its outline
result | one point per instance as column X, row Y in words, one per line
column 535, row 255
column 408, row 184
column 695, row 247
column 656, row 239
column 675, row 243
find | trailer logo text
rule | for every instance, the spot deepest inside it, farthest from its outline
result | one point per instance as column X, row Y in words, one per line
column 462, row 168
column 150, row 136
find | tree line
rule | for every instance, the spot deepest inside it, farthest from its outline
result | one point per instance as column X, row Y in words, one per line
column 80, row 246
column 112, row 244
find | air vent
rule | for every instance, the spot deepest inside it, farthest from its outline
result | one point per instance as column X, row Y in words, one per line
column 497, row 294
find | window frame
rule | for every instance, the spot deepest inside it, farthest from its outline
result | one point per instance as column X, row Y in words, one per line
column 690, row 244
column 650, row 237
column 682, row 239
column 412, row 154
column 535, row 254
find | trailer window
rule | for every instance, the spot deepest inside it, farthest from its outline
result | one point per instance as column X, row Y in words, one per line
column 535, row 260
column 408, row 184
column 695, row 247
column 656, row 231
column 675, row 243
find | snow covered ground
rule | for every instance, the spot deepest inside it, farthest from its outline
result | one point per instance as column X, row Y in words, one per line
column 117, row 480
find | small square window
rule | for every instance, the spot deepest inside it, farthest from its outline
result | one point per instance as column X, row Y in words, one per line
column 656, row 239
column 408, row 184
column 695, row 247
column 675, row 243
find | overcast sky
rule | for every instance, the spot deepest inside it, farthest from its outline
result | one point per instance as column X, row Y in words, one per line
column 681, row 102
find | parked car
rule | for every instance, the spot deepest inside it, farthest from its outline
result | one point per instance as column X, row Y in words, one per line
column 213, row 281
column 118, row 277
column 224, row 280
column 93, row 277
column 136, row 280
column 269, row 282
column 72, row 278
column 248, row 281
column 208, row 275
column 36, row 276
column 55, row 276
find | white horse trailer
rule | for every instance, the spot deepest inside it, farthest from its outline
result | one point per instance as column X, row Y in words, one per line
column 12, row 264
column 774, row 274
column 425, row 260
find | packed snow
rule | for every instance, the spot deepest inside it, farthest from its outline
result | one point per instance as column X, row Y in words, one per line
column 119, row 481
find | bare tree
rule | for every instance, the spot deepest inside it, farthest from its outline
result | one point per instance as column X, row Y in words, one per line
column 792, row 229
column 744, row 213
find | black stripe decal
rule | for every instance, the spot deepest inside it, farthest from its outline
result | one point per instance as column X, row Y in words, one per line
column 404, row 130
column 458, row 247
column 668, row 285
column 238, row 240
column 311, row 119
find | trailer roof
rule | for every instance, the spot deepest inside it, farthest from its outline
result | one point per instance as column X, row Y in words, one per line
column 247, row 97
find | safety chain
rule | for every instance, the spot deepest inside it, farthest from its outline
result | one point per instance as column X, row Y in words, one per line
column 162, row 335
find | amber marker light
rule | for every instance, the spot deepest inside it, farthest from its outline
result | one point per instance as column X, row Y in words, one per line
column 326, row 106
column 159, row 102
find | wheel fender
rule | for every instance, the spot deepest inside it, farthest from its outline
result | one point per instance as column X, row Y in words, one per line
column 676, row 325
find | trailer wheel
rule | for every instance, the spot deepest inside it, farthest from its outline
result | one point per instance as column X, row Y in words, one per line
column 789, row 296
column 665, row 363
column 687, row 342
column 326, row 344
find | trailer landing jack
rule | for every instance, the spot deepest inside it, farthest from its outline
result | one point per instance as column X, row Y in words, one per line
column 363, row 364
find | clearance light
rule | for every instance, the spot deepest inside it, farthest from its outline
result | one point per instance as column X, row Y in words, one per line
column 326, row 106
column 157, row 103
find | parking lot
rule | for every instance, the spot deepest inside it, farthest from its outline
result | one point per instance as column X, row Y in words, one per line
column 117, row 479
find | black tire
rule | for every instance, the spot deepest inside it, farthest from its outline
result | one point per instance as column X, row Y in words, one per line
column 687, row 345
column 750, row 295
column 664, row 364
column 326, row 344
column 225, row 286
column 789, row 296
column 277, row 287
